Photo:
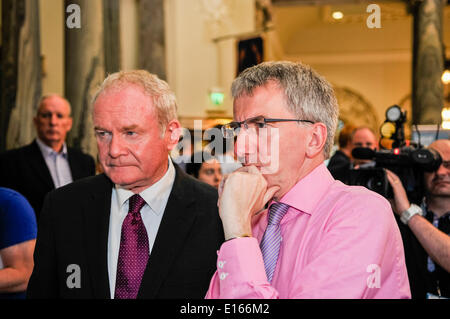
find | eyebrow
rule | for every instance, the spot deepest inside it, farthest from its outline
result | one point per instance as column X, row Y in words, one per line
column 50, row 112
column 125, row 128
column 251, row 118
column 129, row 128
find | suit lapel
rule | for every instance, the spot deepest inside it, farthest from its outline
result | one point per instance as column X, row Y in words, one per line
column 73, row 164
column 96, row 216
column 173, row 230
column 37, row 162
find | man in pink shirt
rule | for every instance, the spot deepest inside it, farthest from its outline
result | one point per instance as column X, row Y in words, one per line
column 318, row 238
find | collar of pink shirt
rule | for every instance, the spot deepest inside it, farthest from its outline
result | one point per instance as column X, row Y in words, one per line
column 312, row 187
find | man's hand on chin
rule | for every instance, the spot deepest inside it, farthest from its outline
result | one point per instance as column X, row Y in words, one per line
column 242, row 194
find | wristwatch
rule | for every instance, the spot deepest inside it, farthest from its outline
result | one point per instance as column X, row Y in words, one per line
column 410, row 212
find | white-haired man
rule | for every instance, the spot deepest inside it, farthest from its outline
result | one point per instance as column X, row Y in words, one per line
column 143, row 229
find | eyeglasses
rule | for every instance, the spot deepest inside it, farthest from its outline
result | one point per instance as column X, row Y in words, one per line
column 232, row 129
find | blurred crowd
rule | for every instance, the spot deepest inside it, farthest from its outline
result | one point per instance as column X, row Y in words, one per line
column 30, row 174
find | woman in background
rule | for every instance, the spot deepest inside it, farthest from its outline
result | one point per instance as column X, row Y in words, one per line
column 207, row 171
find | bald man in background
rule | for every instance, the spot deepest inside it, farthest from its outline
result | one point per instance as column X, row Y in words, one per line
column 47, row 163
column 363, row 136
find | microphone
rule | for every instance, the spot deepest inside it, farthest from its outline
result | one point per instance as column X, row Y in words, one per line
column 363, row 153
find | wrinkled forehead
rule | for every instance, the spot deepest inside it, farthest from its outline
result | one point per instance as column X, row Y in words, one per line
column 364, row 135
column 123, row 94
column 268, row 100
column 54, row 103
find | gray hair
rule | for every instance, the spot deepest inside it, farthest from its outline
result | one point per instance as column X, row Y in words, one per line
column 163, row 98
column 50, row 95
column 308, row 95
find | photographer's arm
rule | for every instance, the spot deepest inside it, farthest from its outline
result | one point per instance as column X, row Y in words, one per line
column 435, row 242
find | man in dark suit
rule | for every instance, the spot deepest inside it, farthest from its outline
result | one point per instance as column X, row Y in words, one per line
column 341, row 161
column 143, row 229
column 47, row 163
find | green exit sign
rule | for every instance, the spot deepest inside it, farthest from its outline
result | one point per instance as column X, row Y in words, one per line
column 216, row 98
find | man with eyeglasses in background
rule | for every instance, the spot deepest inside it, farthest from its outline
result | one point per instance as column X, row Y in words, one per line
column 318, row 238
column 47, row 163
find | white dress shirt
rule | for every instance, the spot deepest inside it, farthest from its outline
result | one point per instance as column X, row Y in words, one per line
column 155, row 197
column 57, row 163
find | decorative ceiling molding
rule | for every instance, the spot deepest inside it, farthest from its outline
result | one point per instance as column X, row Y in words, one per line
column 352, row 57
column 354, row 108
column 281, row 3
column 359, row 14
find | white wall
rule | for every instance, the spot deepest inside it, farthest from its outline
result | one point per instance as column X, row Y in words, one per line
column 52, row 22
column 128, row 34
column 195, row 63
column 381, row 83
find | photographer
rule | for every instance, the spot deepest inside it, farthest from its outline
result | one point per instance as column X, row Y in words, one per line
column 425, row 230
column 363, row 136
column 341, row 161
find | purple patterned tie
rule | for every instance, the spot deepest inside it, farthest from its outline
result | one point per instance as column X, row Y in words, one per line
column 271, row 241
column 133, row 252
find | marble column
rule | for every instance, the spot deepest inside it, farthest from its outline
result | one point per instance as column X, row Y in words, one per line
column 84, row 70
column 21, row 71
column 152, row 52
column 111, row 25
column 427, row 96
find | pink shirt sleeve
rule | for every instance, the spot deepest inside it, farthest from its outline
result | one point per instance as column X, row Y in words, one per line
column 240, row 272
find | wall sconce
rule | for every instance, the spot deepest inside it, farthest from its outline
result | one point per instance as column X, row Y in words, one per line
column 446, row 118
column 337, row 15
column 446, row 74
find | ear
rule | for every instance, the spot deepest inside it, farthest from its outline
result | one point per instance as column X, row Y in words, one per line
column 172, row 134
column 316, row 141
column 69, row 123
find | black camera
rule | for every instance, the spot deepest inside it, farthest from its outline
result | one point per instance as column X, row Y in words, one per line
column 408, row 162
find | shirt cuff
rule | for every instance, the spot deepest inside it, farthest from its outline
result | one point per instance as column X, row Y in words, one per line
column 239, row 261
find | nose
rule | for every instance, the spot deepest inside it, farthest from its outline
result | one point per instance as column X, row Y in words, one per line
column 246, row 144
column 218, row 176
column 53, row 119
column 116, row 147
column 441, row 171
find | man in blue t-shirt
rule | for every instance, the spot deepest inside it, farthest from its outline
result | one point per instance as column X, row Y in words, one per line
column 18, row 230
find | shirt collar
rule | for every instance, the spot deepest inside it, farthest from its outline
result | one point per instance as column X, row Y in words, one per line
column 429, row 214
column 307, row 193
column 156, row 195
column 47, row 150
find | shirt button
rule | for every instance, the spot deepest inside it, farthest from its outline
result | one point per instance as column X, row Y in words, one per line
column 223, row 275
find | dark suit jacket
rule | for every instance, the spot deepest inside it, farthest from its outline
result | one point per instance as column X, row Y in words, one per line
column 24, row 170
column 74, row 230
